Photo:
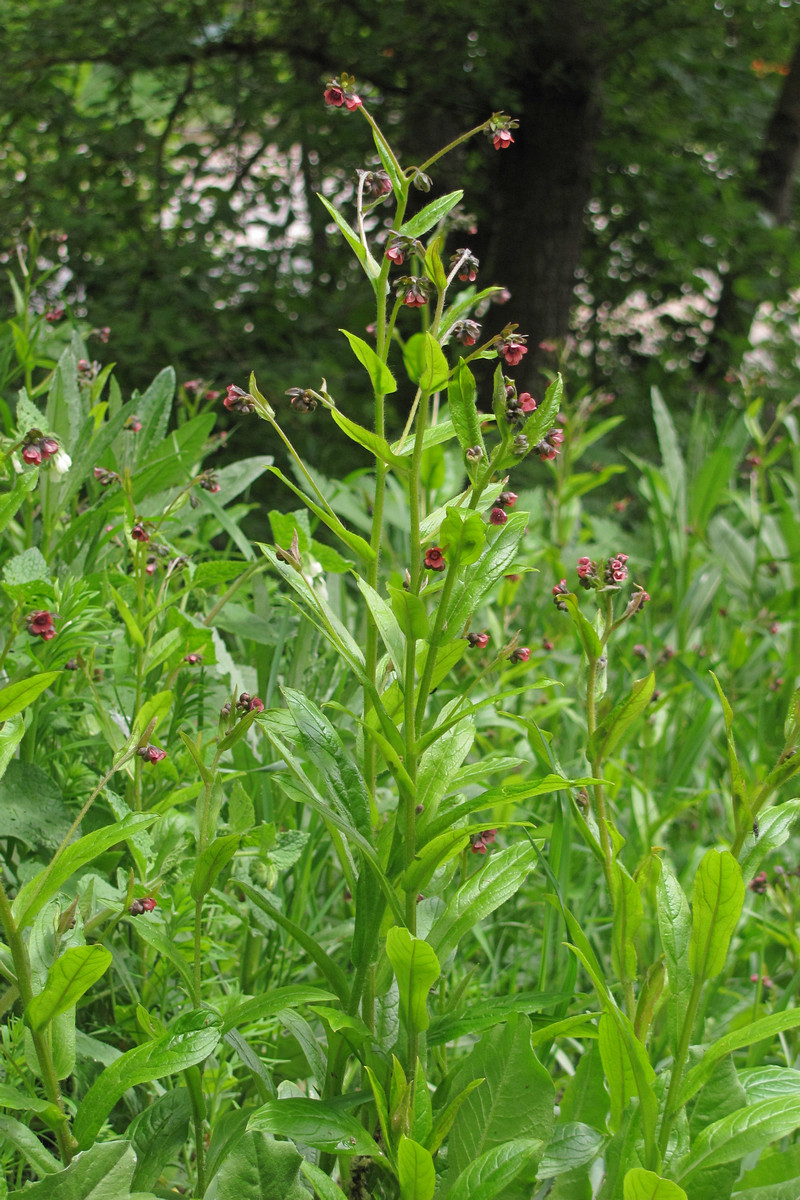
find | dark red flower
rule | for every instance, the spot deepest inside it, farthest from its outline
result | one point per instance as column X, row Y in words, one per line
column 587, row 570
column 478, row 641
column 139, row 533
column 40, row 624
column 32, row 454
column 333, row 95
column 237, row 400
column 55, row 314
column 468, row 269
column 151, row 754
column 520, row 655
column 502, row 139
column 412, row 290
column 513, row 348
column 250, row 703
column 466, row 332
column 142, row 906
column 550, row 445
column 302, row 399
column 434, row 559
column 759, row 883
column 377, row 183
column 507, row 499
column 497, row 516
column 48, row 447
column 148, row 904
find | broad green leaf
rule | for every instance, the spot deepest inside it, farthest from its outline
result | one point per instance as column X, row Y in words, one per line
column 411, row 614
column 491, row 886
column 166, row 1055
column 486, row 1177
column 430, row 215
column 130, row 621
column 371, row 268
column 337, row 768
column 69, row 978
column 515, row 1100
column 674, row 926
column 572, row 1145
column 415, row 1171
column 764, row 1083
column 37, row 891
column 386, row 621
column 383, row 382
column 323, row 1185
column 158, row 1135
column 775, row 825
column 749, row 1035
column 416, row 969
column 352, row 540
column 153, row 410
column 425, row 362
column 32, row 809
column 543, row 419
column 462, row 408
column 316, row 1124
column 246, row 1012
column 19, row 1101
column 587, row 633
column 463, row 533
column 717, row 899
column 11, row 502
column 628, row 1069
column 25, row 1141
column 646, row 1185
column 17, row 696
column 612, row 729
column 214, row 859
column 103, row 1172
column 27, row 567
column 741, row 1133
column 258, row 1168
column 369, row 440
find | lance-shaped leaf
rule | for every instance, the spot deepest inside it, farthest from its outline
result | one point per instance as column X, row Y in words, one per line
column 103, row 1172
column 755, row 1031
column 462, row 408
column 416, row 969
column 68, row 979
column 717, row 899
column 353, row 540
column 495, row 1169
column 323, row 1185
column 544, row 418
column 741, row 1133
column 675, row 927
column 463, row 534
column 410, row 612
column 612, row 729
column 415, row 1171
column 369, row 440
column 17, row 696
column 430, row 215
column 587, row 633
column 646, row 1185
column 383, row 382
column 371, row 268
column 485, row 891
column 316, row 1124
column 425, row 362
column 214, row 859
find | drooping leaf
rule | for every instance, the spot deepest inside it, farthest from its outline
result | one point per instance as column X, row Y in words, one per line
column 17, row 696
column 211, row 862
column 71, row 975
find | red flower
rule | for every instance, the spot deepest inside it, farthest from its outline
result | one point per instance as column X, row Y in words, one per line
column 32, row 454
column 55, row 314
column 142, row 906
column 507, row 499
column 586, row 568
column 527, row 402
column 466, row 332
column 333, row 95
column 48, row 447
column 478, row 641
column 497, row 516
column 139, row 533
column 151, row 754
column 502, row 139
column 148, row 904
column 513, row 348
column 550, row 445
column 616, row 571
column 40, row 624
column 395, row 254
column 434, row 559
column 412, row 290
column 237, row 400
column 520, row 655
column 250, row 703
column 133, row 425
column 193, row 659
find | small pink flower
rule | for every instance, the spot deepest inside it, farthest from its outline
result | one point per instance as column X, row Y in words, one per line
column 616, row 571
column 55, row 314
column 520, row 655
column 351, row 103
column 40, row 624
column 151, row 754
column 434, row 559
column 502, row 139
column 193, row 659
column 466, row 332
column 237, row 400
column 550, row 446
column 31, row 454
column 478, row 641
column 527, row 402
column 133, row 425
column 513, row 348
column 395, row 254
column 547, row 644
column 139, row 533
column 333, row 95
column 48, row 447
column 497, row 516
column 507, row 499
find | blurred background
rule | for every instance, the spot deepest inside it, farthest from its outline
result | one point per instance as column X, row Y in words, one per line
column 644, row 222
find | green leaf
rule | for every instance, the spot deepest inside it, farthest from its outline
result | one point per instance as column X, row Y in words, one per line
column 386, row 621
column 27, row 567
column 37, row 891
column 717, row 899
column 130, row 621
column 495, row 1169
column 27, row 1143
column 430, row 215
column 464, row 534
column 158, row 1135
column 245, row 1012
column 68, row 979
column 611, row 730
column 486, row 890
column 587, row 633
column 324, row 1186
column 103, row 1172
column 371, row 268
column 675, row 927
column 338, row 770
column 542, row 420
column 17, row 696
column 214, row 859
column 416, row 969
column 369, row 440
column 383, row 382
column 425, row 362
column 463, row 410
column 11, row 502
column 572, row 1145
column 415, row 1171
column 168, row 1054
column 755, row 1031
column 741, row 1133
column 496, row 561
column 411, row 614
column 646, row 1185
column 316, row 1124
column 352, row 540
column 515, row 1100
column 775, row 825
column 32, row 808
column 258, row 1168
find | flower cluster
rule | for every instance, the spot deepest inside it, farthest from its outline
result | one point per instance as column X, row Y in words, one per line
column 467, row 265
column 550, row 445
column 302, row 399
column 615, row 570
column 479, row 841
column 342, row 91
column 466, row 332
column 237, row 400
column 249, row 703
column 151, row 754
column 560, row 590
column 38, row 448
column 413, row 290
column 40, row 624
column 376, row 184
column 498, row 130
column 512, row 348
column 400, row 246
column 587, row 572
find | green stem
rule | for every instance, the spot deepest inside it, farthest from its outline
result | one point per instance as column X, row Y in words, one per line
column 435, row 639
column 44, row 1057
column 452, row 145
column 679, row 1062
column 194, row 1084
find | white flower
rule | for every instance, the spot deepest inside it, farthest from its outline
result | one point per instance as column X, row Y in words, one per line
column 60, row 463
